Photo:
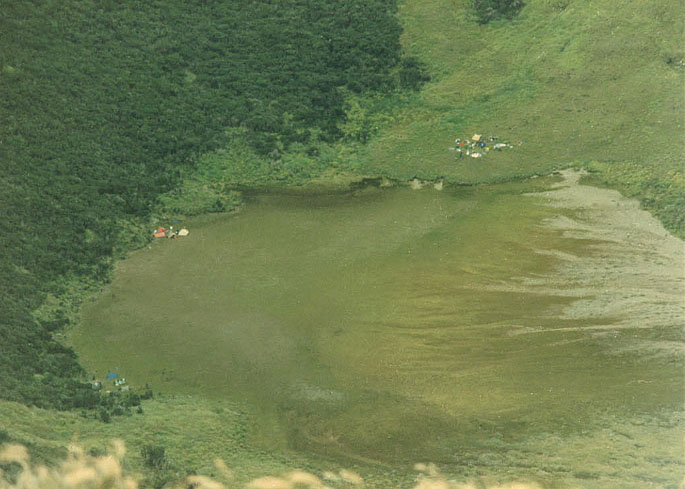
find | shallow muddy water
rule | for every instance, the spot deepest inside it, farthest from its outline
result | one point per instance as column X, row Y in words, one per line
column 487, row 329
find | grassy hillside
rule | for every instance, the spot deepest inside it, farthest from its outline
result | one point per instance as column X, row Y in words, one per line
column 578, row 82
column 584, row 83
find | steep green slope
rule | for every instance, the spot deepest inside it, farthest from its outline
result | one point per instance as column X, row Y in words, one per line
column 598, row 83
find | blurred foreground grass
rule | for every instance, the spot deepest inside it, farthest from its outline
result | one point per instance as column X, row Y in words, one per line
column 109, row 471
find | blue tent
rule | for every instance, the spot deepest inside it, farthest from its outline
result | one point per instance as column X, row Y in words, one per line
column 113, row 375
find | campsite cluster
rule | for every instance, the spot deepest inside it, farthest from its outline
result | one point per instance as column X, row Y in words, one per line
column 162, row 232
column 117, row 382
column 115, row 398
column 478, row 146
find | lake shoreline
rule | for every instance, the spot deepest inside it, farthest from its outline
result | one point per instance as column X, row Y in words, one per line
column 426, row 217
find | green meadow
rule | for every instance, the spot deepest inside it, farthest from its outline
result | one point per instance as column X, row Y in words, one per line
column 575, row 81
column 598, row 84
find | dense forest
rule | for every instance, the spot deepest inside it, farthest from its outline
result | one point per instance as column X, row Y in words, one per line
column 104, row 105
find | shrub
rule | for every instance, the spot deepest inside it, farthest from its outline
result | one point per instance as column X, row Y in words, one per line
column 488, row 10
column 413, row 73
column 131, row 399
column 147, row 394
column 154, row 457
column 104, row 415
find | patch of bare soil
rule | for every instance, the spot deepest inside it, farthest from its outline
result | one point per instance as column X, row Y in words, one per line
column 627, row 282
column 631, row 274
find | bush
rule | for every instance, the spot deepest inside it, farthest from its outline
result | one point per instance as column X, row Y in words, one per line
column 413, row 73
column 104, row 415
column 131, row 399
column 487, row 10
column 154, row 457
column 147, row 393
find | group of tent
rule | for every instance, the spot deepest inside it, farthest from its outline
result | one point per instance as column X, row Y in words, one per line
column 478, row 145
column 162, row 232
column 118, row 382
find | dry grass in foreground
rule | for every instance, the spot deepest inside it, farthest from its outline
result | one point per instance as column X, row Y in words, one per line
column 83, row 471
